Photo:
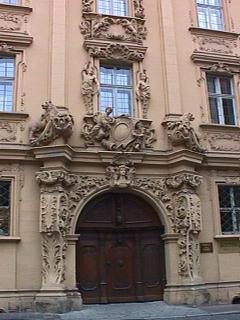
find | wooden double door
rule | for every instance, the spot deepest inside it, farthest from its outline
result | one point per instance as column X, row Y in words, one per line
column 120, row 258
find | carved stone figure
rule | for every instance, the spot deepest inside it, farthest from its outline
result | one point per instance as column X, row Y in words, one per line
column 121, row 172
column 120, row 133
column 55, row 122
column 180, row 131
column 138, row 9
column 90, row 86
column 143, row 92
column 87, row 6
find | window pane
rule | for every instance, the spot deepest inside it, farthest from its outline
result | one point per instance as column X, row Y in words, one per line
column 120, row 7
column 226, row 222
column 123, row 102
column 216, row 21
column 5, row 195
column 7, row 67
column 236, row 192
column 224, row 197
column 106, row 75
column 10, row 1
column 211, row 82
column 228, row 111
column 225, row 84
column 104, row 6
column 123, row 77
column 6, row 96
column 214, row 110
column 106, row 99
column 202, row 17
column 214, row 2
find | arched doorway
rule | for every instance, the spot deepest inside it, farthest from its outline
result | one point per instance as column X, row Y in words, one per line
column 120, row 252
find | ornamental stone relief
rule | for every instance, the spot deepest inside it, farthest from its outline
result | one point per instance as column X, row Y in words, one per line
column 180, row 131
column 11, row 131
column 55, row 122
column 116, row 51
column 114, row 28
column 223, row 141
column 143, row 94
column 62, row 192
column 14, row 20
column 187, row 222
column 215, row 44
column 120, row 133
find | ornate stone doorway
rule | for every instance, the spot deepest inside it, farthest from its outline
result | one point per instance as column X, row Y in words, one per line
column 120, row 252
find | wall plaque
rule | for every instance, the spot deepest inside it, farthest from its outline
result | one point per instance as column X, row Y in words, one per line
column 206, row 247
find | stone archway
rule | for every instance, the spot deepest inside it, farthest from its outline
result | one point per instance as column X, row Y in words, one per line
column 120, row 252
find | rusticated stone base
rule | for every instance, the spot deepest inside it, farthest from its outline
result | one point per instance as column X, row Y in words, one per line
column 53, row 302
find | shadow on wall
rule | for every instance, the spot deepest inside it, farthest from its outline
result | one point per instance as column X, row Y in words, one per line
column 236, row 300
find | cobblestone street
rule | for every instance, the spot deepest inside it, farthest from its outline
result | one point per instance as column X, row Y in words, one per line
column 137, row 311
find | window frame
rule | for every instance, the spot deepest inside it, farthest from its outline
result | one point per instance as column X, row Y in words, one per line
column 219, row 96
column 18, row 2
column 12, row 80
column 10, row 227
column 209, row 7
column 114, row 87
column 236, row 229
column 112, row 13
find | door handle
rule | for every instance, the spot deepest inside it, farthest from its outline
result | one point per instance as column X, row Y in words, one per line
column 120, row 263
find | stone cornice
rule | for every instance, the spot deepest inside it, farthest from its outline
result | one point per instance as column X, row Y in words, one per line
column 215, row 58
column 18, row 40
column 15, row 8
column 13, row 116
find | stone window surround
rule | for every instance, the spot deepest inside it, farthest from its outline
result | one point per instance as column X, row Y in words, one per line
column 218, row 69
column 15, row 175
column 193, row 14
column 137, row 68
column 221, row 178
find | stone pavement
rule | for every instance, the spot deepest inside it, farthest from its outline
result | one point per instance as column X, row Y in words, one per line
column 137, row 311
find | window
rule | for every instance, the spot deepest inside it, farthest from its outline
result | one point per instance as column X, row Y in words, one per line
column 7, row 74
column 210, row 14
column 229, row 199
column 116, row 89
column 221, row 100
column 9, row 1
column 113, row 7
column 5, row 200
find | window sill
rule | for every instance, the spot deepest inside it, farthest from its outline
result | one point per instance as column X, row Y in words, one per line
column 9, row 239
column 13, row 115
column 223, row 237
column 15, row 7
column 221, row 33
column 219, row 127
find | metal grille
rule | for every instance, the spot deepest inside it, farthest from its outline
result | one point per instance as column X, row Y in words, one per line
column 229, row 200
column 210, row 14
column 5, row 195
column 116, row 89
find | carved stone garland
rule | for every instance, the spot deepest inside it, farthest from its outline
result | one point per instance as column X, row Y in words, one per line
column 181, row 132
column 187, row 223
column 55, row 122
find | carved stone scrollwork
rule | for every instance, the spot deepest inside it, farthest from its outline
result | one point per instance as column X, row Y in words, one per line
column 90, row 86
column 4, row 47
column 116, row 51
column 143, row 92
column 117, row 133
column 55, row 122
column 187, row 222
column 181, row 132
column 121, row 172
column 114, row 28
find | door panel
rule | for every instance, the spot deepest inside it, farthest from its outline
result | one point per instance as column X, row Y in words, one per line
column 120, row 253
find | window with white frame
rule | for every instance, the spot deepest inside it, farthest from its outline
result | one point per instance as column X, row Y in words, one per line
column 116, row 89
column 210, row 14
column 221, row 99
column 10, row 1
column 5, row 207
column 229, row 202
column 7, row 79
column 113, row 7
